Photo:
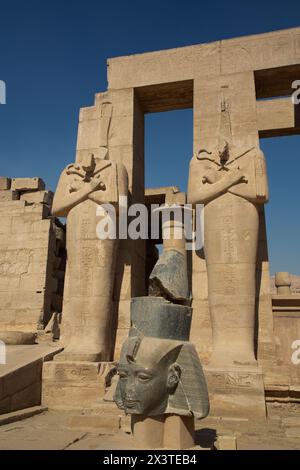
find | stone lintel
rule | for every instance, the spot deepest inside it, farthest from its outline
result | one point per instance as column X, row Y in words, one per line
column 257, row 52
column 278, row 117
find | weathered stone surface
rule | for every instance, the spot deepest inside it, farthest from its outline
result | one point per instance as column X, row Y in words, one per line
column 27, row 270
column 124, row 138
column 4, row 183
column 231, row 238
column 283, row 283
column 169, row 277
column 45, row 197
column 178, row 432
column 74, row 384
column 277, row 117
column 282, row 382
column 17, row 337
column 292, row 426
column 19, row 415
column 109, row 422
column 236, row 392
column 261, row 51
column 295, row 284
column 8, row 195
column 21, row 376
column 226, row 443
column 27, row 184
column 201, row 330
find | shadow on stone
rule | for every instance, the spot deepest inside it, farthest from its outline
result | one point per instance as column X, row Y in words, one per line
column 206, row 438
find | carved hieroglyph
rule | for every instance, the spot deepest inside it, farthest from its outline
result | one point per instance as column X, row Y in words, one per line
column 230, row 180
column 90, row 261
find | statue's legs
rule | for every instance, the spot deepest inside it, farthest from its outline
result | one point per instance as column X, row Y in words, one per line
column 91, row 269
column 231, row 238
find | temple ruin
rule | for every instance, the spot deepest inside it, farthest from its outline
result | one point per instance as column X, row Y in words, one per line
column 44, row 290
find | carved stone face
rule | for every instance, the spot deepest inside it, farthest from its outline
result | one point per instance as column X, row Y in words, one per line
column 147, row 380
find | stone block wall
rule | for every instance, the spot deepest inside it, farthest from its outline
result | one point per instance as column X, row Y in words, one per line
column 283, row 382
column 32, row 252
column 22, row 387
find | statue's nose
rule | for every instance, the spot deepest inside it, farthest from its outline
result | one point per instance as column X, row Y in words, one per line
column 130, row 388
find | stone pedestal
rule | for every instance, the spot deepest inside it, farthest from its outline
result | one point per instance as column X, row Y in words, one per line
column 148, row 432
column 236, row 392
column 163, row 432
column 179, row 432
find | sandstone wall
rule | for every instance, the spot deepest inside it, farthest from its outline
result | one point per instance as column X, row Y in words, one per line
column 31, row 255
column 283, row 381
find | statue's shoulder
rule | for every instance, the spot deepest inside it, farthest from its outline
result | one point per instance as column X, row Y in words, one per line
column 205, row 159
column 70, row 168
column 69, row 172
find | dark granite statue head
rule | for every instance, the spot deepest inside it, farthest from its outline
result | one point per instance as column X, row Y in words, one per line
column 148, row 375
column 158, row 376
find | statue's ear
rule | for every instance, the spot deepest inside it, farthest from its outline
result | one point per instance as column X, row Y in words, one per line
column 174, row 375
column 118, row 399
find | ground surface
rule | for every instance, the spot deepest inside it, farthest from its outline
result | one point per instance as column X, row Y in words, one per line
column 51, row 431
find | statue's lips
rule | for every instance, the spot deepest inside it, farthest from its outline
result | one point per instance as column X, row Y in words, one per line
column 131, row 403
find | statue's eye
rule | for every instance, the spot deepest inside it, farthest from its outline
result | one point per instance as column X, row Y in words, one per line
column 123, row 374
column 144, row 377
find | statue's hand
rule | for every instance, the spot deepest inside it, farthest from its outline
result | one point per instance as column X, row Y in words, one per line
column 210, row 177
column 75, row 185
column 96, row 184
column 236, row 176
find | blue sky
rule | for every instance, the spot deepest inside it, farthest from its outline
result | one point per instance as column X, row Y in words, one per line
column 53, row 59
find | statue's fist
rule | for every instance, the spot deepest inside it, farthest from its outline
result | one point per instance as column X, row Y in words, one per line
column 96, row 184
column 236, row 176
